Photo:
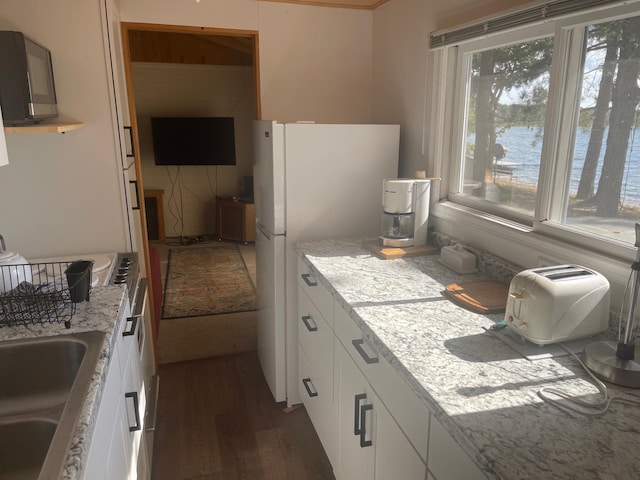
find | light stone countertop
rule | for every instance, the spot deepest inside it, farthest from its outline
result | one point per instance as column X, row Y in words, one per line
column 102, row 313
column 481, row 390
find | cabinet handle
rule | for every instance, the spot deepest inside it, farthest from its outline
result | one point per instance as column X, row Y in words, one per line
column 306, row 319
column 357, row 343
column 360, row 420
column 311, row 393
column 135, row 189
column 136, row 408
column 129, row 144
column 357, row 427
column 363, row 418
column 309, row 280
column 134, row 324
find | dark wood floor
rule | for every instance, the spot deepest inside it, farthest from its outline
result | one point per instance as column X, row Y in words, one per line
column 217, row 420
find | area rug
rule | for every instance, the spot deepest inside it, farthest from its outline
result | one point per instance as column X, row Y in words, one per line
column 207, row 281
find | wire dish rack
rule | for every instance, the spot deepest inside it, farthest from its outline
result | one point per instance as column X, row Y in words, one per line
column 38, row 293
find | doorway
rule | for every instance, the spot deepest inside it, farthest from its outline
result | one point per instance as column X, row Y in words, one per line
column 196, row 65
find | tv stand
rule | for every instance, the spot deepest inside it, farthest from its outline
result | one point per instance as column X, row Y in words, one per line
column 235, row 220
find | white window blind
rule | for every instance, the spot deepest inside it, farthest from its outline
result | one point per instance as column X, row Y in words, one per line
column 526, row 16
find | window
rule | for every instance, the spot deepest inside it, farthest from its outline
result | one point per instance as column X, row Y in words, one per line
column 545, row 125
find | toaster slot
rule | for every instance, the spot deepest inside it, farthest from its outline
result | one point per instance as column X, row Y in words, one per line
column 569, row 274
column 563, row 272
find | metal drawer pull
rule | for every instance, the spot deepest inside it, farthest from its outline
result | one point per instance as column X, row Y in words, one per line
column 134, row 324
column 136, row 408
column 363, row 417
column 360, row 419
column 356, row 413
column 306, row 319
column 311, row 393
column 309, row 280
column 357, row 343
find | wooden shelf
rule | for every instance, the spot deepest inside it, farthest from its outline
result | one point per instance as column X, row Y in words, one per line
column 44, row 128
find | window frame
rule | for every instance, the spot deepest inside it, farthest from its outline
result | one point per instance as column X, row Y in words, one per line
column 449, row 123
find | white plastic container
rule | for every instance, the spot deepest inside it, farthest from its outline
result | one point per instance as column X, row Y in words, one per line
column 458, row 259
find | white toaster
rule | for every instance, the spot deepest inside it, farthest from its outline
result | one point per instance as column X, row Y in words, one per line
column 557, row 304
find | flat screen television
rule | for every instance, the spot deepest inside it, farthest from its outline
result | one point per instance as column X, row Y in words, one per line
column 193, row 140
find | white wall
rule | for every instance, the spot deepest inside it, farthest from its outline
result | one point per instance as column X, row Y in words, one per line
column 194, row 90
column 401, row 91
column 61, row 193
column 315, row 62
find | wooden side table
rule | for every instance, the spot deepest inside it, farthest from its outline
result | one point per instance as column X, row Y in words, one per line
column 235, row 220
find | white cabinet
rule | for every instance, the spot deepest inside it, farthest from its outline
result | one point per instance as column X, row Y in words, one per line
column 354, row 398
column 315, row 359
column 447, row 460
column 115, row 444
column 357, row 411
column 372, row 445
column 106, row 461
column 408, row 411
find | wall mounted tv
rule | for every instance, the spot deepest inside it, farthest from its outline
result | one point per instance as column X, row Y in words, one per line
column 193, row 140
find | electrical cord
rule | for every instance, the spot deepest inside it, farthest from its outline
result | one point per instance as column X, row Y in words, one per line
column 578, row 405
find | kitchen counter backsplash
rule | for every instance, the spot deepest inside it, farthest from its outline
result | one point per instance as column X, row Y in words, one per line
column 483, row 392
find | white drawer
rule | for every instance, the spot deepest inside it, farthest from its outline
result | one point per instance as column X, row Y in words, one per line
column 319, row 295
column 316, row 339
column 409, row 412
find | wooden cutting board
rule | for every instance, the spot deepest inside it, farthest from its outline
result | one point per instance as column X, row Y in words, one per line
column 482, row 296
column 389, row 253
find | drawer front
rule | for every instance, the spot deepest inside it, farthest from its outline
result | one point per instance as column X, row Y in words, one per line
column 409, row 412
column 319, row 405
column 316, row 339
column 319, row 295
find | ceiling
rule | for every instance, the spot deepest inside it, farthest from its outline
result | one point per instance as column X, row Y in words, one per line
column 365, row 4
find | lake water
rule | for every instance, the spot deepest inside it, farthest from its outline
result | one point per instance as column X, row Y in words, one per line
column 525, row 149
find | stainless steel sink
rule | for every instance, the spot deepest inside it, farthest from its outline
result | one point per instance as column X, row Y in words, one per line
column 43, row 384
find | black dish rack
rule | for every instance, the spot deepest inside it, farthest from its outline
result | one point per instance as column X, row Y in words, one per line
column 38, row 293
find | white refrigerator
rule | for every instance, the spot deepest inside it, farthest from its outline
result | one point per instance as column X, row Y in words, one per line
column 311, row 182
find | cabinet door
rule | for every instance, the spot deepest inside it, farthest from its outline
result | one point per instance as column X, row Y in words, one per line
column 357, row 410
column 102, row 439
column 371, row 444
column 134, row 404
column 447, row 460
column 319, row 405
column 395, row 456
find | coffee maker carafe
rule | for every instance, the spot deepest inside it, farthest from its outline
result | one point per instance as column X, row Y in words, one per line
column 405, row 211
